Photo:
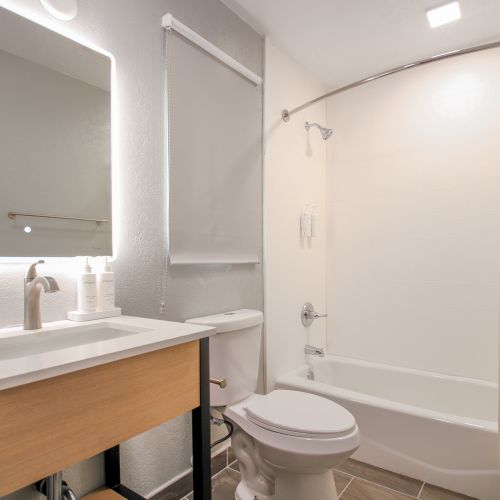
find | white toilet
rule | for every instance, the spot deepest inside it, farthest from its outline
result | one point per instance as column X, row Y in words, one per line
column 286, row 442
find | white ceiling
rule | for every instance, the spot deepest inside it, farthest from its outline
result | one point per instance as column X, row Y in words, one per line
column 340, row 41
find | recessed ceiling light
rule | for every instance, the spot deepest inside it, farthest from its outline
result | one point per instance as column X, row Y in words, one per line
column 65, row 10
column 444, row 14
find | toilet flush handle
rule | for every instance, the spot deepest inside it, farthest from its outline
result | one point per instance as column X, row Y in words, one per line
column 221, row 383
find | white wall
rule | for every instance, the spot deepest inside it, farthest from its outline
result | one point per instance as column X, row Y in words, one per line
column 414, row 216
column 131, row 31
column 294, row 175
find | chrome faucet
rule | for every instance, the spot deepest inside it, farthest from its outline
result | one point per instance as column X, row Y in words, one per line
column 315, row 351
column 33, row 285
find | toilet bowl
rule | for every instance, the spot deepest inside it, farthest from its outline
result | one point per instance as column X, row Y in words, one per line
column 286, row 442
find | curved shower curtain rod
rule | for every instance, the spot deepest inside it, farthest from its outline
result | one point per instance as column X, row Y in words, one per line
column 286, row 114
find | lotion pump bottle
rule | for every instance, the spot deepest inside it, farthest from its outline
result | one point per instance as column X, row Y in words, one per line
column 106, row 288
column 87, row 289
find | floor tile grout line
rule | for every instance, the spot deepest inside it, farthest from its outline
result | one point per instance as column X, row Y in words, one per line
column 352, row 477
column 385, row 471
column 385, row 487
column 421, row 489
column 213, row 476
column 229, row 466
column 346, row 486
column 221, row 471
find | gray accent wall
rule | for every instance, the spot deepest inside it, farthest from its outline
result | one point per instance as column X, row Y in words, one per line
column 131, row 31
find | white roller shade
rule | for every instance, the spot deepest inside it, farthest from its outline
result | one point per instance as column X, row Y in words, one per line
column 214, row 159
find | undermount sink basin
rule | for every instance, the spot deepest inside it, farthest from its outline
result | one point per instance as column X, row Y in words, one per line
column 54, row 340
column 66, row 346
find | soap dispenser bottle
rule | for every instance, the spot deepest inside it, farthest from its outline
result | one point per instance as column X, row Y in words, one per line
column 106, row 288
column 87, row 289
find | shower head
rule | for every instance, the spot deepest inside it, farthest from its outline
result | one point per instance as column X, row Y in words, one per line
column 325, row 132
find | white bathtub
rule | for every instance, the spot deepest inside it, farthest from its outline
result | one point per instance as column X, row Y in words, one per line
column 437, row 428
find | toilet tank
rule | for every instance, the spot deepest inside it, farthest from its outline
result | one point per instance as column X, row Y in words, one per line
column 234, row 353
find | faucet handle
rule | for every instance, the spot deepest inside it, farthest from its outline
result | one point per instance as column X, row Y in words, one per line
column 31, row 272
column 315, row 315
column 308, row 314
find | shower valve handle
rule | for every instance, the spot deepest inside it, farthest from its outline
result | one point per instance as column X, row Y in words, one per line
column 308, row 314
column 315, row 315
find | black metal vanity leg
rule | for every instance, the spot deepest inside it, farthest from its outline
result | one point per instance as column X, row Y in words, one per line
column 112, row 474
column 112, row 467
column 202, row 470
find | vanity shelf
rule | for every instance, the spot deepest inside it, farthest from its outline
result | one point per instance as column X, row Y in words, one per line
column 103, row 494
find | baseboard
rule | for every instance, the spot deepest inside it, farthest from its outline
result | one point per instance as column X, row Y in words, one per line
column 181, row 484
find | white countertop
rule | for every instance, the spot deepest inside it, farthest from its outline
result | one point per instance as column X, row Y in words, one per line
column 146, row 335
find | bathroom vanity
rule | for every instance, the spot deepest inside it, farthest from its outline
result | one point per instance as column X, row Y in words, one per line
column 70, row 391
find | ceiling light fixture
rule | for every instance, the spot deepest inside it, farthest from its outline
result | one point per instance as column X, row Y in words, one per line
column 61, row 9
column 444, row 14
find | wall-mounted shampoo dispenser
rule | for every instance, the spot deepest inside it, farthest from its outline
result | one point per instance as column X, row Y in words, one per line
column 309, row 222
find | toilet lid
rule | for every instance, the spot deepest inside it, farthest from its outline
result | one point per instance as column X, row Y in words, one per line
column 300, row 414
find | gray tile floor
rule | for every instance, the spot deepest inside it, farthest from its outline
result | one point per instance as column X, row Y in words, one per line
column 355, row 481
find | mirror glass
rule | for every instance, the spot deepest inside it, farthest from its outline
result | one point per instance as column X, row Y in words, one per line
column 55, row 144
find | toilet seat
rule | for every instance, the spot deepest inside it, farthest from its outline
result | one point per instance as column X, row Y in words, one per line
column 305, row 446
column 300, row 414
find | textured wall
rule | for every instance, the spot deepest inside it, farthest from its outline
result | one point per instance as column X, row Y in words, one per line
column 131, row 31
column 294, row 176
column 413, row 206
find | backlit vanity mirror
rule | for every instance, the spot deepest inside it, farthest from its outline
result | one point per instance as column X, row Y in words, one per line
column 55, row 144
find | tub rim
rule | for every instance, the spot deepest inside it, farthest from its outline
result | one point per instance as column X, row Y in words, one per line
column 297, row 378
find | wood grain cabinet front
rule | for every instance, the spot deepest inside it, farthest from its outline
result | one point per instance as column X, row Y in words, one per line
column 49, row 425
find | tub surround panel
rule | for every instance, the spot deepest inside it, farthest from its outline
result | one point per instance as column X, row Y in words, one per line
column 413, row 208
